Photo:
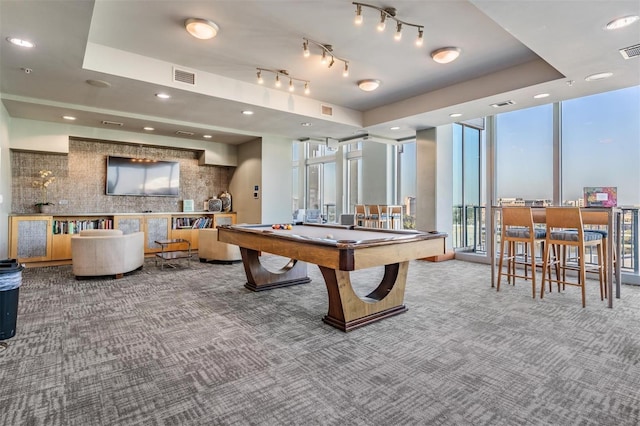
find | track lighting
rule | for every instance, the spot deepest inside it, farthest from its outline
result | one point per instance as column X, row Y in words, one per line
column 285, row 75
column 328, row 57
column 305, row 49
column 382, row 25
column 420, row 38
column 390, row 13
column 358, row 20
column 398, row 35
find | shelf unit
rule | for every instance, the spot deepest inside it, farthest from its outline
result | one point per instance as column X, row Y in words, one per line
column 47, row 238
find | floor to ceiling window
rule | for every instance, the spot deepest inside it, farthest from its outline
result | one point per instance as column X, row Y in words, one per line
column 601, row 149
column 468, row 212
column 524, row 156
column 407, row 183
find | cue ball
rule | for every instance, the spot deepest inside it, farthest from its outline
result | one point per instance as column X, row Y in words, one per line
column 329, row 236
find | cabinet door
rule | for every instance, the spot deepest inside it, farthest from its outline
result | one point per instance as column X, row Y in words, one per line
column 31, row 238
column 129, row 224
column 223, row 219
column 158, row 228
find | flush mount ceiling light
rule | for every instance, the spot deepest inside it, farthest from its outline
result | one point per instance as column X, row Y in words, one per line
column 148, row 129
column 598, row 76
column 622, row 22
column 247, row 112
column 327, row 55
column 68, row 117
column 207, row 136
column 285, row 75
column 20, row 42
column 445, row 54
column 455, row 115
column 368, row 85
column 202, row 29
column 163, row 95
column 540, row 95
column 388, row 13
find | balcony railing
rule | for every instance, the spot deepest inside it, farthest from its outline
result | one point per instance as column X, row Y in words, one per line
column 469, row 234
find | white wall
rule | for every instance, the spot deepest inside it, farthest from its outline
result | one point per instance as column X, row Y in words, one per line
column 5, row 182
column 434, row 189
column 33, row 135
column 276, row 187
column 247, row 174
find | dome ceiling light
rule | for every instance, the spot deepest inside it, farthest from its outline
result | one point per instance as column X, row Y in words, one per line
column 445, row 55
column 202, row 29
column 368, row 85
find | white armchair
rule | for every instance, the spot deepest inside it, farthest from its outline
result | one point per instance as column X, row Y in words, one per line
column 99, row 252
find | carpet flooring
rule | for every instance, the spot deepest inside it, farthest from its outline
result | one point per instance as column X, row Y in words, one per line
column 192, row 346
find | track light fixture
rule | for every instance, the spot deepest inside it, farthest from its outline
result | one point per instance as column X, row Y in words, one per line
column 388, row 13
column 285, row 75
column 328, row 57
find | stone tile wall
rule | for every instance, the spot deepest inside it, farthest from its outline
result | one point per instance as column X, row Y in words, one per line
column 80, row 185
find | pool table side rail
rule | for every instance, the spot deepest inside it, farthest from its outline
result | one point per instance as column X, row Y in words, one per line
column 328, row 253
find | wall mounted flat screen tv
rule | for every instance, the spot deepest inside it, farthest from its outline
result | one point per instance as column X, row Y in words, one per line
column 143, row 177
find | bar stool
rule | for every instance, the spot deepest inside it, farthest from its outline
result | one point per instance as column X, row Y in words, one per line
column 600, row 219
column 395, row 216
column 517, row 229
column 565, row 230
column 374, row 216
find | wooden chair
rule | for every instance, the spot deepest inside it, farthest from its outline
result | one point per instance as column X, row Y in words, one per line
column 374, row 216
column 518, row 230
column 565, row 230
column 598, row 221
column 395, row 217
column 360, row 215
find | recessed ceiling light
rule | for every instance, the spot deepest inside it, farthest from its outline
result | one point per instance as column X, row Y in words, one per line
column 148, row 129
column 20, row 42
column 207, row 136
column 394, row 128
column 368, row 85
column 598, row 76
column 455, row 114
column 445, row 54
column 68, row 117
column 622, row 22
column 540, row 95
column 163, row 95
column 305, row 124
column 201, row 28
column 247, row 112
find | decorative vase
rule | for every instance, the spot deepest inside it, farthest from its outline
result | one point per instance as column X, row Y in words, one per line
column 46, row 208
column 226, row 201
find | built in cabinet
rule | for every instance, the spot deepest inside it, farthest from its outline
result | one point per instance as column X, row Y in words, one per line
column 44, row 238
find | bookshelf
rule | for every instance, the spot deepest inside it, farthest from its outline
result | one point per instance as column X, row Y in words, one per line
column 42, row 238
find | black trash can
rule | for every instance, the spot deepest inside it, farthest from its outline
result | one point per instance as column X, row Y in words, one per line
column 10, row 281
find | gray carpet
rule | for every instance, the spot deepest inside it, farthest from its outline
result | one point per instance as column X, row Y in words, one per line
column 192, row 346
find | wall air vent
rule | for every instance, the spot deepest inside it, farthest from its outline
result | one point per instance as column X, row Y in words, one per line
column 184, row 133
column 503, row 104
column 326, row 110
column 112, row 123
column 630, row 52
column 182, row 76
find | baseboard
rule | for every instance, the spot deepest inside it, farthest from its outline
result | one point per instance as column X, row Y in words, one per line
column 440, row 257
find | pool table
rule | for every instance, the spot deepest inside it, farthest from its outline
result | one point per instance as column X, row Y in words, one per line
column 336, row 250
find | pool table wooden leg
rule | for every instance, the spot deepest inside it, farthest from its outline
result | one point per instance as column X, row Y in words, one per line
column 347, row 311
column 259, row 278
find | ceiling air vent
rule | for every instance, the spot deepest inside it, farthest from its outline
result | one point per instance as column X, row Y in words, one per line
column 184, row 133
column 326, row 110
column 182, row 76
column 112, row 123
column 503, row 104
column 630, row 52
